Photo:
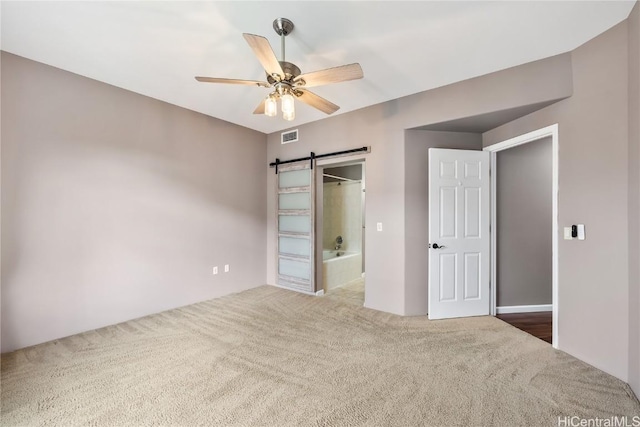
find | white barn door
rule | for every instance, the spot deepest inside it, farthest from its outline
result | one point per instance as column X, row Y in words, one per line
column 459, row 242
column 296, row 245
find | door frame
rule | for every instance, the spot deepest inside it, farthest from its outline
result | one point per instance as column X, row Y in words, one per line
column 334, row 162
column 549, row 131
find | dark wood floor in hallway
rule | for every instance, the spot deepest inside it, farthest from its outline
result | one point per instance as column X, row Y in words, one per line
column 537, row 324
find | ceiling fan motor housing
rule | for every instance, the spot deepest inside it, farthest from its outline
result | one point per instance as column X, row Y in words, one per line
column 291, row 71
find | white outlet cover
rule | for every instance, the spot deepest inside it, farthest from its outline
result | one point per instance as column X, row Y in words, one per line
column 226, row 268
column 215, row 270
column 567, row 233
column 379, row 226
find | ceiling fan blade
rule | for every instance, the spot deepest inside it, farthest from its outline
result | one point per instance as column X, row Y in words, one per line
column 232, row 81
column 260, row 108
column 316, row 101
column 263, row 51
column 331, row 75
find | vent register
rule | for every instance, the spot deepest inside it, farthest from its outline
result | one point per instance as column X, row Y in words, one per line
column 289, row 136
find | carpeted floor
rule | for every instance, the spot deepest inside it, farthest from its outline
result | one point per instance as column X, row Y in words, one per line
column 270, row 357
column 352, row 293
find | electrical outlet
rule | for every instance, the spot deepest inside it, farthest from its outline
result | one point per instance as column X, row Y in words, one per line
column 226, row 268
column 379, row 226
column 215, row 270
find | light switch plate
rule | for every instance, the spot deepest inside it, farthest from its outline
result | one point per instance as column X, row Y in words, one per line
column 581, row 235
column 567, row 233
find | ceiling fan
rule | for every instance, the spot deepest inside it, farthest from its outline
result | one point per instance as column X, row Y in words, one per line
column 286, row 79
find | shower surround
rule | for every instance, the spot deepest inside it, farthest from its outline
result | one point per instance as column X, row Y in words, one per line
column 342, row 214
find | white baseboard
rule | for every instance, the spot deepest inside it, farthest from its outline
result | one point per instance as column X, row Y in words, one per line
column 524, row 309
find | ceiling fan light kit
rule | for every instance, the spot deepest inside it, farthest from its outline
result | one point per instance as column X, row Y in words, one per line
column 286, row 79
column 270, row 106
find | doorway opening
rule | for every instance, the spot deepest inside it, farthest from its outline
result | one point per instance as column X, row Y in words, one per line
column 342, row 221
column 524, row 238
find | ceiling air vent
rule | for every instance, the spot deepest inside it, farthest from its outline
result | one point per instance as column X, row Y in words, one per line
column 289, row 136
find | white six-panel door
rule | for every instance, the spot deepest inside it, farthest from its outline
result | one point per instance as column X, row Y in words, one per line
column 459, row 218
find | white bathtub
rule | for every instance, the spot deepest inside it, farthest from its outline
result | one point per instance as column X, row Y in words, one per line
column 327, row 254
column 340, row 268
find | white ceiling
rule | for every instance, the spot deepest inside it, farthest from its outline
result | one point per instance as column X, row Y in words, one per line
column 156, row 48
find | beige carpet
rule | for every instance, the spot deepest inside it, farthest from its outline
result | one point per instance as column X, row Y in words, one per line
column 270, row 357
column 352, row 293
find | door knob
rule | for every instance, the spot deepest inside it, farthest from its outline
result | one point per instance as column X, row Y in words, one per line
column 435, row 246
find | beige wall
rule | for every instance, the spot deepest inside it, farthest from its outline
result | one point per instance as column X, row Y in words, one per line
column 416, row 212
column 116, row 205
column 342, row 215
column 593, row 146
column 382, row 127
column 524, row 216
column 634, row 199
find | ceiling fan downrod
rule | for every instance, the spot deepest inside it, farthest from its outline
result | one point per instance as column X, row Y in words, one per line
column 282, row 27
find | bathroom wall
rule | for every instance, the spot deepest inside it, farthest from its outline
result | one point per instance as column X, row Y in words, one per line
column 342, row 215
column 350, row 172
